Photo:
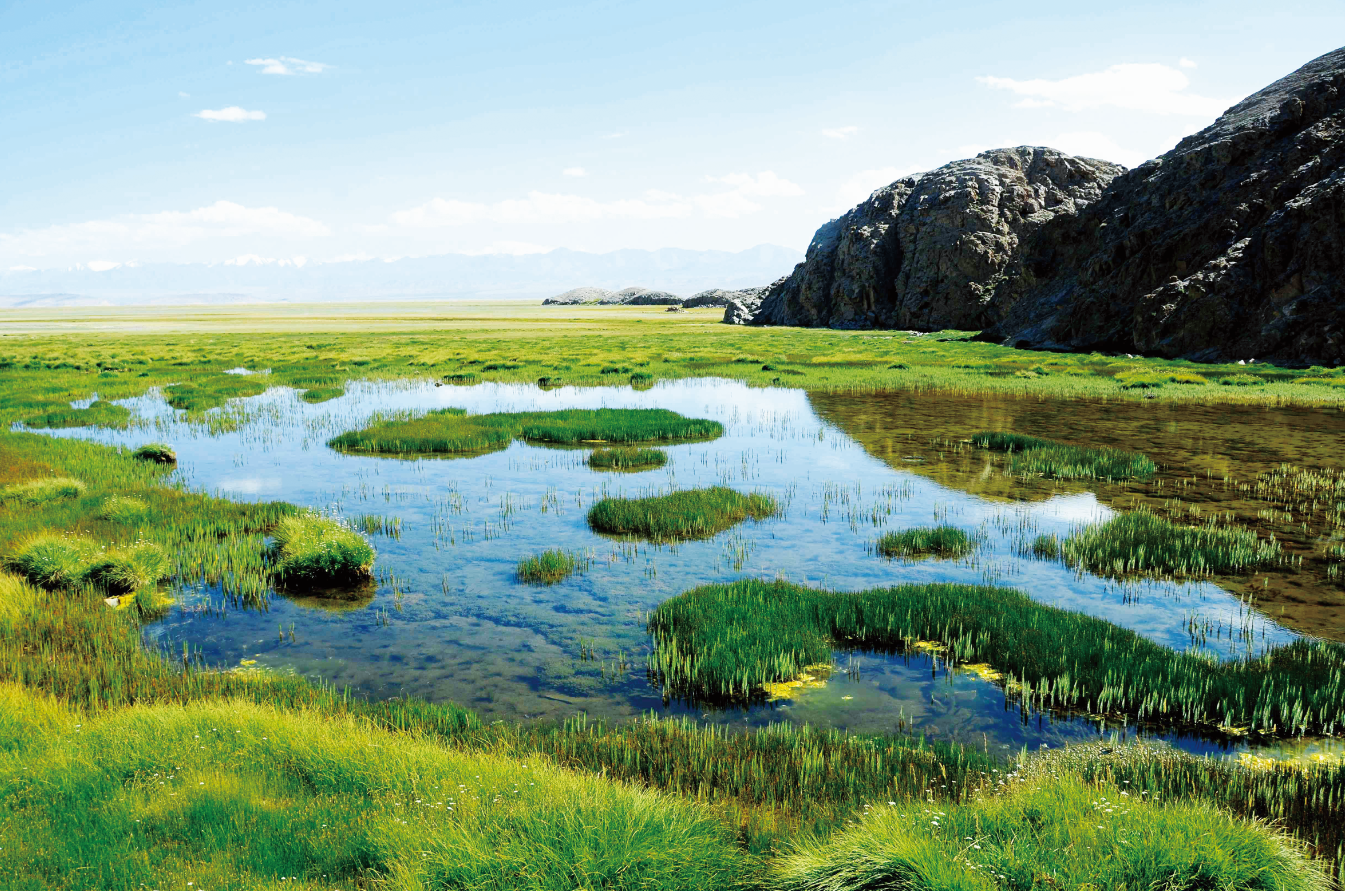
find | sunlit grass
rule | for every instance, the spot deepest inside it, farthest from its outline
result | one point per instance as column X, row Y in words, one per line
column 202, row 394
column 317, row 395
column 627, row 459
column 1032, row 455
column 936, row 541
column 100, row 413
column 155, row 452
column 313, row 549
column 550, row 567
column 41, row 491
column 1139, row 542
column 691, row 513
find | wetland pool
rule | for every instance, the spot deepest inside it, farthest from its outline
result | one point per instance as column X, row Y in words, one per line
column 447, row 620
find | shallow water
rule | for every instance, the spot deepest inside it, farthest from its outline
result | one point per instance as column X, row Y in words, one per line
column 448, row 621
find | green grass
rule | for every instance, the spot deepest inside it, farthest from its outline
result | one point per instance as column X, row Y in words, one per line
column 240, row 795
column 1051, row 833
column 316, row 395
column 937, row 541
column 1031, row 455
column 688, row 514
column 311, row 549
column 123, row 509
column 100, row 414
column 454, row 431
column 1140, row 542
column 627, row 459
column 1242, row 380
column 727, row 641
column 128, row 570
column 155, row 452
column 51, row 561
column 550, row 567
column 41, row 491
column 211, row 392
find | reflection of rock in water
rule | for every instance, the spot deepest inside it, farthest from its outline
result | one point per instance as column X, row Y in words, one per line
column 339, row 599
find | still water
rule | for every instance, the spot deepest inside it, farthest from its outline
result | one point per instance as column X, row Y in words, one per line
column 447, row 619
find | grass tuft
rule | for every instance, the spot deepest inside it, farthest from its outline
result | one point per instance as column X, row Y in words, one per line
column 313, row 549
column 35, row 492
column 1031, row 455
column 123, row 571
column 50, row 561
column 212, row 392
column 937, row 541
column 156, row 453
column 1139, row 542
column 689, row 514
column 123, row 509
column 627, row 459
column 550, row 567
column 316, row 395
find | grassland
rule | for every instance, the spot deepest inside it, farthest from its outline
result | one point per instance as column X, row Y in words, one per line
column 452, row 430
column 688, row 514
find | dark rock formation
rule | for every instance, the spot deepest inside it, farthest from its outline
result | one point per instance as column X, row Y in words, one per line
column 576, row 296
column 647, row 297
column 721, row 297
column 628, row 296
column 927, row 251
column 1232, row 245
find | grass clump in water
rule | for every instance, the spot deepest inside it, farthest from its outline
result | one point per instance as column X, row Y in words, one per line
column 692, row 513
column 155, row 453
column 937, row 541
column 196, row 396
column 99, row 414
column 627, row 459
column 550, row 567
column 1140, row 542
column 453, row 430
column 43, row 491
column 1079, row 835
column 728, row 641
column 313, row 549
column 315, row 395
column 1029, row 454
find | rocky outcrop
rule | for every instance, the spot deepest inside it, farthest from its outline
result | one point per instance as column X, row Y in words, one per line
column 628, row 296
column 744, row 305
column 1230, row 246
column 647, row 297
column 927, row 251
column 576, row 296
column 720, row 297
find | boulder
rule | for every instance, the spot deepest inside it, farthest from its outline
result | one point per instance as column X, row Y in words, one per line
column 720, row 297
column 647, row 297
column 927, row 251
column 576, row 296
column 1229, row 246
column 743, row 306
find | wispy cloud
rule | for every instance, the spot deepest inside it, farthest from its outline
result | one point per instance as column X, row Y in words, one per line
column 840, row 132
column 1152, row 88
column 1186, row 63
column 288, row 65
column 575, row 171
column 233, row 114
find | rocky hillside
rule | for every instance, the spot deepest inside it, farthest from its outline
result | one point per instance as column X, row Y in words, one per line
column 1230, row 246
column 927, row 251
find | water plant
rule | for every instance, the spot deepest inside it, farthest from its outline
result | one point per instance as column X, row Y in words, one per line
column 1078, row 835
column 550, row 567
column 1032, row 455
column 316, row 395
column 1140, row 542
column 155, row 452
column 41, row 491
column 937, row 541
column 99, row 413
column 686, row 514
column 728, row 641
column 211, row 392
column 453, row 430
column 627, row 459
column 311, row 549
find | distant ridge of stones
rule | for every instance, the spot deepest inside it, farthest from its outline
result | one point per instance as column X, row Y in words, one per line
column 636, row 296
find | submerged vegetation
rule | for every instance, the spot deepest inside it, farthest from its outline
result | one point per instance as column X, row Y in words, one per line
column 627, row 459
column 937, row 541
column 550, row 567
column 1032, row 455
column 313, row 549
column 1139, row 542
column 453, row 430
column 729, row 641
column 691, row 513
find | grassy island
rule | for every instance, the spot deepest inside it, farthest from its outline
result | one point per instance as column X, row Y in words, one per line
column 627, row 459
column 1032, row 455
column 693, row 513
column 937, row 541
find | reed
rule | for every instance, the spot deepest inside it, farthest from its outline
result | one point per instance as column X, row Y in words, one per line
column 1140, row 542
column 311, row 549
column 937, row 541
column 688, row 514
column 1031, row 455
column 726, row 642
column 550, row 567
column 627, row 459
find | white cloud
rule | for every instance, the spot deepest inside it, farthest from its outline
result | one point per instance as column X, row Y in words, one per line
column 1186, row 63
column 574, row 171
column 840, row 132
column 102, row 265
column 232, row 114
column 764, row 185
column 1150, row 87
column 288, row 65
column 182, row 95
column 131, row 233
column 864, row 183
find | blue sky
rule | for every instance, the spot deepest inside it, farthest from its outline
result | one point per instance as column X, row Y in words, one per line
column 314, row 132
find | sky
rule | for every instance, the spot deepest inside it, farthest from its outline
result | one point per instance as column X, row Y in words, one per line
column 297, row 133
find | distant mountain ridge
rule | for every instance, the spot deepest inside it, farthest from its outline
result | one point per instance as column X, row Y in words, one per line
column 414, row 278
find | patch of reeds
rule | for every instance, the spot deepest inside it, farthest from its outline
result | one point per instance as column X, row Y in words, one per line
column 728, row 641
column 1079, row 835
column 316, row 395
column 310, row 549
column 453, row 430
column 99, row 414
column 627, row 459
column 550, row 567
column 688, row 514
column 1140, row 542
column 156, row 453
column 212, row 392
column 937, row 541
column 41, row 491
column 1032, row 455
column 377, row 524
